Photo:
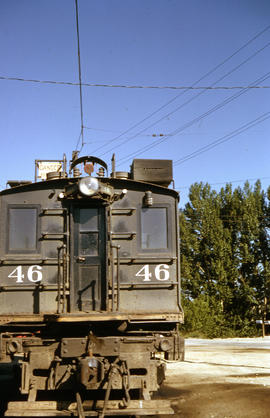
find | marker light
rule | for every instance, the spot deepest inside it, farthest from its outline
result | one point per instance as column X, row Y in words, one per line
column 89, row 186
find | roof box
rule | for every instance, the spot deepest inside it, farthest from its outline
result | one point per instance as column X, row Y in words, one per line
column 152, row 171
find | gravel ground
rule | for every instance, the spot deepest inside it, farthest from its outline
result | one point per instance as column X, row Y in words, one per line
column 221, row 379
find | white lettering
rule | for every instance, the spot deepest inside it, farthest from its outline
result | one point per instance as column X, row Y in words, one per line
column 17, row 274
column 162, row 272
column 146, row 273
column 34, row 274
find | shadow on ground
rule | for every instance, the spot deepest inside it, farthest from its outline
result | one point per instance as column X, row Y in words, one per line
column 226, row 400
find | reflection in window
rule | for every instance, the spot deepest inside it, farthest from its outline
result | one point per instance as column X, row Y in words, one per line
column 88, row 219
column 88, row 232
column 89, row 243
column 154, row 233
column 22, row 229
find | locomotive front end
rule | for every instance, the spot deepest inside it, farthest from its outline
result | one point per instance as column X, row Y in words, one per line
column 90, row 289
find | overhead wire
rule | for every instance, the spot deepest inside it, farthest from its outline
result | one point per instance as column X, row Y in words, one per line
column 188, row 101
column 193, row 85
column 185, row 88
column 227, row 182
column 192, row 122
column 77, row 145
column 224, row 138
column 126, row 86
column 80, row 73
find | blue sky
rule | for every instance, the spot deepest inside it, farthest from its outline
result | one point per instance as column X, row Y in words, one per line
column 143, row 43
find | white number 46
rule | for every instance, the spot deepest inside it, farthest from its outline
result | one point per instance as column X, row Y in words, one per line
column 34, row 274
column 161, row 272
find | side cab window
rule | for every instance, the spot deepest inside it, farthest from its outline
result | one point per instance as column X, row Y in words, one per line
column 154, row 229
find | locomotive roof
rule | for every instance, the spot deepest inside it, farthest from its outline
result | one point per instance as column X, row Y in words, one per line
column 117, row 183
column 145, row 174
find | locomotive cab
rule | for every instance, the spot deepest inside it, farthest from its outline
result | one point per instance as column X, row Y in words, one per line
column 90, row 286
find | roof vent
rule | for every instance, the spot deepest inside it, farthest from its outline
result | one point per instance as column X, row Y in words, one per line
column 53, row 175
column 122, row 175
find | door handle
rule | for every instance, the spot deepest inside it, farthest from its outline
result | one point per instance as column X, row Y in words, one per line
column 80, row 259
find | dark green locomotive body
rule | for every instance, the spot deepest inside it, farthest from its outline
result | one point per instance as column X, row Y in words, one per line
column 89, row 288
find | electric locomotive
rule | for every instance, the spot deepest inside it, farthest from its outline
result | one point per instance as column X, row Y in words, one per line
column 89, row 288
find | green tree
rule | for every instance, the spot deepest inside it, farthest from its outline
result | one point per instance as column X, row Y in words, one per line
column 225, row 258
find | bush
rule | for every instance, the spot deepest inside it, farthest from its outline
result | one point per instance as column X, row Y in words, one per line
column 204, row 319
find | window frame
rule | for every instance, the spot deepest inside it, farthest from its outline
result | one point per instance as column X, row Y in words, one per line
column 84, row 231
column 169, row 227
column 38, row 229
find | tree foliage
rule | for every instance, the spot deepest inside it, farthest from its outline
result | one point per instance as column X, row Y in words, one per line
column 225, row 259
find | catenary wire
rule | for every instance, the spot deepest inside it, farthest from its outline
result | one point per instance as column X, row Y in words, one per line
column 77, row 145
column 123, row 86
column 185, row 88
column 109, row 130
column 224, row 138
column 202, row 92
column 80, row 73
column 188, row 101
column 192, row 122
column 193, row 85
column 227, row 182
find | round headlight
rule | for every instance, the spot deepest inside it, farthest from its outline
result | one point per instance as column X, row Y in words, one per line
column 165, row 345
column 89, row 186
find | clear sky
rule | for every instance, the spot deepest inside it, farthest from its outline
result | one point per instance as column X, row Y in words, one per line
column 144, row 43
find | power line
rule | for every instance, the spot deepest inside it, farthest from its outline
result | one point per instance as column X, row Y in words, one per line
column 225, row 138
column 189, row 100
column 154, row 135
column 99, row 129
column 77, row 145
column 192, row 122
column 227, row 182
column 79, row 68
column 194, row 84
column 123, row 86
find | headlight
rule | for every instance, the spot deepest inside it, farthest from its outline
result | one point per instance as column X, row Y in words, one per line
column 89, row 186
column 165, row 345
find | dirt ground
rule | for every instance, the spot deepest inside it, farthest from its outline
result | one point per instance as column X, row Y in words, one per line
column 221, row 379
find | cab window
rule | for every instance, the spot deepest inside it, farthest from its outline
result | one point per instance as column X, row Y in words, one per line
column 154, row 228
column 22, row 229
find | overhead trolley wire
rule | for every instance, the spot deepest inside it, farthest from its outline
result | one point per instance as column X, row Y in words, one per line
column 69, row 83
column 193, row 85
column 77, row 145
column 190, row 123
column 225, row 182
column 202, row 92
column 189, row 100
column 80, row 74
column 224, row 138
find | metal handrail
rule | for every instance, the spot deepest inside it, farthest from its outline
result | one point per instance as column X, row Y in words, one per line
column 117, row 247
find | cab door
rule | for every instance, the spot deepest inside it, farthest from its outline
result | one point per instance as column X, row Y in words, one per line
column 88, row 287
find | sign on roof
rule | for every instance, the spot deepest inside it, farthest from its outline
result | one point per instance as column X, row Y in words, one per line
column 45, row 167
